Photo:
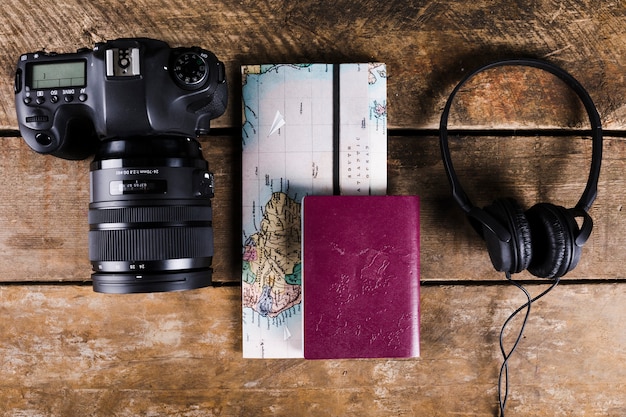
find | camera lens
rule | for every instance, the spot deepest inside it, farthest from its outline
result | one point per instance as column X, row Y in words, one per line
column 150, row 216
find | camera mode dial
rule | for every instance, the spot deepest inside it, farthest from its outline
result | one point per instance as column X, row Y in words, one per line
column 191, row 69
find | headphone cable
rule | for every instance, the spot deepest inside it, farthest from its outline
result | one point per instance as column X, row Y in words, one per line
column 504, row 369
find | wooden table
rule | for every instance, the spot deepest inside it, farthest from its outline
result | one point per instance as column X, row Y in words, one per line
column 67, row 351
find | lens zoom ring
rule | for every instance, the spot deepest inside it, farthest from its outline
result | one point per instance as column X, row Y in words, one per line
column 150, row 244
column 159, row 214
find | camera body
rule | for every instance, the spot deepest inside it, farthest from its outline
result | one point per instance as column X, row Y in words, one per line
column 137, row 105
column 133, row 87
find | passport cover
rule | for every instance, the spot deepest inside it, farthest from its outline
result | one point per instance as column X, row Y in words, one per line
column 361, row 276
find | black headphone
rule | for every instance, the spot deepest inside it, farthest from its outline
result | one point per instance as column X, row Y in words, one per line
column 546, row 239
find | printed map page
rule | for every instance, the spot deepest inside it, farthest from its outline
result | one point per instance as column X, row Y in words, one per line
column 288, row 145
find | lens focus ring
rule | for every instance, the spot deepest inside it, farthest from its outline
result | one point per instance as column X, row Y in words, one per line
column 100, row 218
column 150, row 244
column 150, row 233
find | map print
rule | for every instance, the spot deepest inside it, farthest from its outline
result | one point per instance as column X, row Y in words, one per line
column 272, row 259
column 288, row 152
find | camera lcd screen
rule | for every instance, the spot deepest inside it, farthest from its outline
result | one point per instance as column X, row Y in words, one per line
column 57, row 75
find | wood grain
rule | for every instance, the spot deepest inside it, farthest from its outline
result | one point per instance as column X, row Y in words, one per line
column 69, row 351
column 427, row 45
column 530, row 170
column 44, row 204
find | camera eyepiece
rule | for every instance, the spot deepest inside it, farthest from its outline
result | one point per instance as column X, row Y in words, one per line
column 150, row 216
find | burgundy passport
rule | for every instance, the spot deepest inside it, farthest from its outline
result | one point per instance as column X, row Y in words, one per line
column 361, row 276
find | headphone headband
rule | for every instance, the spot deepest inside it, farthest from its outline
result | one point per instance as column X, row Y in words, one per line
column 591, row 190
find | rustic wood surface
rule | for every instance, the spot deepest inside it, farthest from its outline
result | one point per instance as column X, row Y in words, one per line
column 69, row 351
column 66, row 351
column 45, row 202
column 427, row 45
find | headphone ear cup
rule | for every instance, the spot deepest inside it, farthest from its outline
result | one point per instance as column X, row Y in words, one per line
column 515, row 255
column 553, row 232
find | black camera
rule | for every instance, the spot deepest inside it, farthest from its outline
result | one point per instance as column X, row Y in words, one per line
column 138, row 105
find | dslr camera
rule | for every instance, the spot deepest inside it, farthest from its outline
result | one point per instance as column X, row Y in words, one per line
column 138, row 106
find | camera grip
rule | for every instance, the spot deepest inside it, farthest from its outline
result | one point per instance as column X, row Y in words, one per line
column 71, row 135
column 207, row 108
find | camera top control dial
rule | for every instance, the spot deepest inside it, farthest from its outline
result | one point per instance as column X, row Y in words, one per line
column 191, row 69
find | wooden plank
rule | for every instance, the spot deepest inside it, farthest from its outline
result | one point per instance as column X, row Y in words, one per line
column 528, row 169
column 43, row 204
column 428, row 46
column 68, row 351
